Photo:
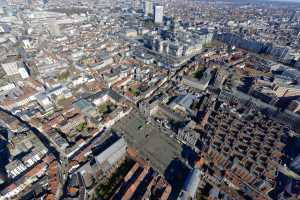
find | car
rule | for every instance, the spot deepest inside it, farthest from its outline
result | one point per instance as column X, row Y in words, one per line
column 167, row 125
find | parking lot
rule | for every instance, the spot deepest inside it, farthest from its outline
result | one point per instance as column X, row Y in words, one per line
column 149, row 141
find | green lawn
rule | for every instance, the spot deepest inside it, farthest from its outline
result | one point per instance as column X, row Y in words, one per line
column 199, row 73
column 103, row 108
column 106, row 108
column 63, row 76
column 81, row 127
column 134, row 91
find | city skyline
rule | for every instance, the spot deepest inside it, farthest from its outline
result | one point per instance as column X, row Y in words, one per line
column 149, row 100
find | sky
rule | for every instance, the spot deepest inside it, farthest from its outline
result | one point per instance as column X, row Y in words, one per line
column 288, row 0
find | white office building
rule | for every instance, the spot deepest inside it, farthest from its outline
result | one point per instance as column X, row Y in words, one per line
column 159, row 14
column 23, row 72
column 148, row 7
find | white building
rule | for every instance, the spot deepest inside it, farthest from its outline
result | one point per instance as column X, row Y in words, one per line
column 7, row 87
column 159, row 14
column 148, row 7
column 23, row 72
column 54, row 29
column 44, row 101
column 15, row 68
column 10, row 68
column 27, row 44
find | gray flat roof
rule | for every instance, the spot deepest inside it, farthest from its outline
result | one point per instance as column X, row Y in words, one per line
column 157, row 146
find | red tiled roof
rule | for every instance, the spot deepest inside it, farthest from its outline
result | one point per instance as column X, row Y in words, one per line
column 35, row 170
column 11, row 187
column 50, row 197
